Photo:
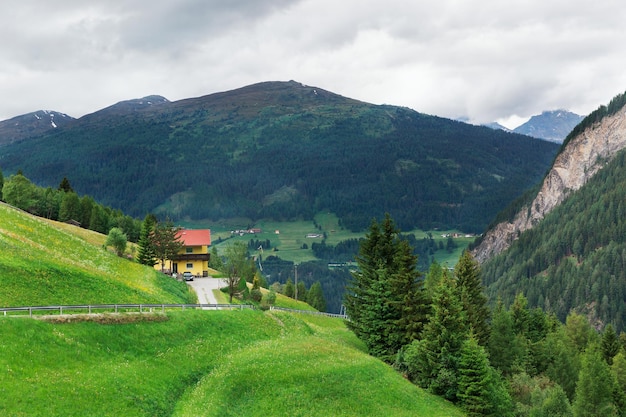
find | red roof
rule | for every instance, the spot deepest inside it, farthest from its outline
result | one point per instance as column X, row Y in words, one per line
column 198, row 237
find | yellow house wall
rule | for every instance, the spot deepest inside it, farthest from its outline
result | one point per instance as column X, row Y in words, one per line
column 198, row 267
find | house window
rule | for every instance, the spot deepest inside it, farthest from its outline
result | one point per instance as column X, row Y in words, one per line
column 189, row 250
column 189, row 266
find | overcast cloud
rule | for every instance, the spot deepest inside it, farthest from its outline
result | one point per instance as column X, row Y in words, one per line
column 481, row 59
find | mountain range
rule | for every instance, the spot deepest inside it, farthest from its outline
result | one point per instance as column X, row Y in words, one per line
column 283, row 150
column 553, row 125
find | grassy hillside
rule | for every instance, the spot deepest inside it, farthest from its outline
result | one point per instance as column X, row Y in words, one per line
column 46, row 263
column 200, row 363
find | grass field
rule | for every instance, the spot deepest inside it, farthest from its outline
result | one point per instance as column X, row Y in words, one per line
column 289, row 237
column 48, row 263
column 200, row 363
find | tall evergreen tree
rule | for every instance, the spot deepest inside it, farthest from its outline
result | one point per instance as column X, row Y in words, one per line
column 595, row 387
column 65, row 186
column 474, row 378
column 1, row 184
column 146, row 254
column 290, row 289
column 435, row 272
column 433, row 361
column 385, row 299
column 315, row 297
column 467, row 272
column 410, row 300
column 502, row 351
column 482, row 391
column 610, row 344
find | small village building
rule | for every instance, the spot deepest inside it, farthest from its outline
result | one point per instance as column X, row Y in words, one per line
column 194, row 256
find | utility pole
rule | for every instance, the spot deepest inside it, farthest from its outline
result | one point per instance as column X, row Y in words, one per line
column 295, row 265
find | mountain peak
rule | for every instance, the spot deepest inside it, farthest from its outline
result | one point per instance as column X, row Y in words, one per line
column 550, row 125
column 31, row 124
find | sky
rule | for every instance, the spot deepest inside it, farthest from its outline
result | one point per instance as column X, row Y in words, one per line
column 480, row 60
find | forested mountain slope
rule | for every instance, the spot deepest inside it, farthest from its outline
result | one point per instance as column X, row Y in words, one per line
column 588, row 148
column 284, row 150
column 568, row 247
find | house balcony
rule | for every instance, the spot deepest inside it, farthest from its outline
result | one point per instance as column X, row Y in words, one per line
column 181, row 257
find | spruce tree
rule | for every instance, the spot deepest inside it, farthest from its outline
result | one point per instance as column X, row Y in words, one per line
column 502, row 350
column 410, row 300
column 1, row 184
column 289, row 288
column 146, row 254
column 385, row 299
column 467, row 272
column 315, row 297
column 595, row 387
column 433, row 361
column 65, row 186
column 610, row 344
column 474, row 373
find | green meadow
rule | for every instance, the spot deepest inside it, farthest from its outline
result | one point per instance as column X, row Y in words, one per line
column 50, row 263
column 200, row 363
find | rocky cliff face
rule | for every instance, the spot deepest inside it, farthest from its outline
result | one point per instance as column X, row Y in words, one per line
column 581, row 158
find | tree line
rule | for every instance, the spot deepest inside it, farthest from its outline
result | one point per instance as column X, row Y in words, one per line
column 65, row 205
column 438, row 329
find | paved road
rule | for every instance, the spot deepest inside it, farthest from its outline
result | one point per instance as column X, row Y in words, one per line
column 204, row 288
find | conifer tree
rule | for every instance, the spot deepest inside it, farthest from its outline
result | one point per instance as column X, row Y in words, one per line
column 146, row 254
column 595, row 387
column 315, row 297
column 65, row 186
column 433, row 361
column 502, row 352
column 289, row 288
column 473, row 392
column 467, row 272
column 610, row 344
column 435, row 272
column 385, row 299
column 482, row 391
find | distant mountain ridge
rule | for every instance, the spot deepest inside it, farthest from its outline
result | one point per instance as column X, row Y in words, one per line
column 31, row 124
column 285, row 150
column 553, row 125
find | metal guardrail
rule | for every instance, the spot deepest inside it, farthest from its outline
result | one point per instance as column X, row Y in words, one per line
column 317, row 313
column 117, row 308
column 141, row 308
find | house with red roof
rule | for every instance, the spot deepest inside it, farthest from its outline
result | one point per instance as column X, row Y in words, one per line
column 194, row 256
